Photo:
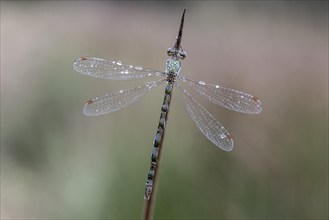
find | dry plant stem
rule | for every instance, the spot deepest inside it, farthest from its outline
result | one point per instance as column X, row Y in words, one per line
column 149, row 204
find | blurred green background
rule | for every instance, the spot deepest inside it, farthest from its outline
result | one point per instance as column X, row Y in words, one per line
column 57, row 163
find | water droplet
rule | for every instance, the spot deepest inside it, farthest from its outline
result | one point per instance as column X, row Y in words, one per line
column 138, row 68
column 149, row 74
column 242, row 97
column 91, row 65
column 217, row 86
column 119, row 63
column 202, row 83
column 121, row 91
column 131, row 66
column 222, row 136
column 113, row 62
column 126, row 72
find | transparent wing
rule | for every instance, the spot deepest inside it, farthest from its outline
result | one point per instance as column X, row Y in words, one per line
column 114, row 70
column 207, row 124
column 117, row 100
column 228, row 98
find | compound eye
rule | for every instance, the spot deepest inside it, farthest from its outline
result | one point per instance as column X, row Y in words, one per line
column 170, row 51
column 182, row 54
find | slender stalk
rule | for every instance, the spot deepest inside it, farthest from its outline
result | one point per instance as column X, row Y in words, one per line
column 180, row 32
column 172, row 70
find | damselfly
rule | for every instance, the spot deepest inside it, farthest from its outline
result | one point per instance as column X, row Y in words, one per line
column 208, row 125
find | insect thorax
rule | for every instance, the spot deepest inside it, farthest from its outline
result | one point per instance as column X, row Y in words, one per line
column 173, row 67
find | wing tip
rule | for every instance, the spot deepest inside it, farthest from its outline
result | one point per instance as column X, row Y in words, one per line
column 77, row 62
column 80, row 59
column 226, row 144
column 259, row 105
column 86, row 109
column 230, row 141
column 230, row 148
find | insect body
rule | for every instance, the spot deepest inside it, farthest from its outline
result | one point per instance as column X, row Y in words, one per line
column 207, row 124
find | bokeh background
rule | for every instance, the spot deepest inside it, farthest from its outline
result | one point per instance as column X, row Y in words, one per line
column 57, row 163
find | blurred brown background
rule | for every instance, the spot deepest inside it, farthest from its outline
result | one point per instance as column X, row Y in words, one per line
column 58, row 163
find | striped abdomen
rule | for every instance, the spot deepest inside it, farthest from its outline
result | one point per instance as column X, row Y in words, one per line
column 157, row 143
